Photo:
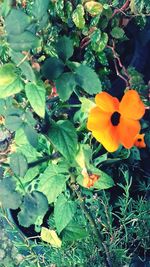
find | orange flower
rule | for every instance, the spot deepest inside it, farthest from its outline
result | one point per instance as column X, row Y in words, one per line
column 89, row 179
column 113, row 123
column 139, row 141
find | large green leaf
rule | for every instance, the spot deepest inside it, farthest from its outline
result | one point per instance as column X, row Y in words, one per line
column 64, row 211
column 13, row 123
column 10, row 83
column 63, row 136
column 33, row 206
column 65, row 85
column 31, row 134
column 18, row 164
column 39, row 8
column 24, row 65
column 9, row 197
column 74, row 231
column 52, row 68
column 78, row 17
column 64, row 48
column 24, row 41
column 29, row 152
column 52, row 182
column 17, row 21
column 36, row 96
column 88, row 79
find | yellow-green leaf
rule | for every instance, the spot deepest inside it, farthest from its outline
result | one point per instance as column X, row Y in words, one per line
column 133, row 6
column 94, row 8
column 10, row 83
column 51, row 237
column 78, row 17
column 87, row 105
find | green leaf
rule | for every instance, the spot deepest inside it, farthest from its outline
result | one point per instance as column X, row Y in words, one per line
column 84, row 156
column 39, row 8
column 20, row 137
column 95, row 39
column 93, row 8
column 5, row 7
column 13, row 123
column 51, row 237
column 134, row 154
column 33, row 206
column 64, row 211
column 52, row 182
column 63, row 136
column 36, row 96
column 29, row 152
column 10, row 83
column 133, row 6
column 65, row 85
column 24, row 41
column 31, row 134
column 74, row 231
column 9, row 197
column 18, row 164
column 117, row 32
column 26, row 68
column 87, row 79
column 16, row 22
column 103, row 41
column 86, row 105
column 78, row 17
column 52, row 68
column 64, row 48
column 30, row 174
column 104, row 181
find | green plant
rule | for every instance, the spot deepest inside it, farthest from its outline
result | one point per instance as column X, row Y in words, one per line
column 55, row 57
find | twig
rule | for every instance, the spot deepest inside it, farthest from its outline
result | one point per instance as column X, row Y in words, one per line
column 118, row 73
column 116, row 58
column 122, row 9
column 85, row 41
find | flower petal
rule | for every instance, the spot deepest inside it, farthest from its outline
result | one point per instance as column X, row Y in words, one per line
column 98, row 120
column 139, row 141
column 131, row 106
column 108, row 138
column 127, row 130
column 107, row 102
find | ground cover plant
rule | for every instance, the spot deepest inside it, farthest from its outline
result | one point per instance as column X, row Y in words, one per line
column 75, row 130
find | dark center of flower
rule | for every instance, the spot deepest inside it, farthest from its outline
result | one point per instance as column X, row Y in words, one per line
column 115, row 118
column 139, row 140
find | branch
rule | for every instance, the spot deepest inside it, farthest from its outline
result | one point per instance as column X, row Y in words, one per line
column 122, row 9
column 116, row 58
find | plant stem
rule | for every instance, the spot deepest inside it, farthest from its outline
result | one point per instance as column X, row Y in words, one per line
column 90, row 218
column 46, row 158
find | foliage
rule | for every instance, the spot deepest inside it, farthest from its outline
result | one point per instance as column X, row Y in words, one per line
column 79, row 198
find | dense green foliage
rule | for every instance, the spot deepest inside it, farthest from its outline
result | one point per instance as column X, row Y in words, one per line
column 54, row 57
